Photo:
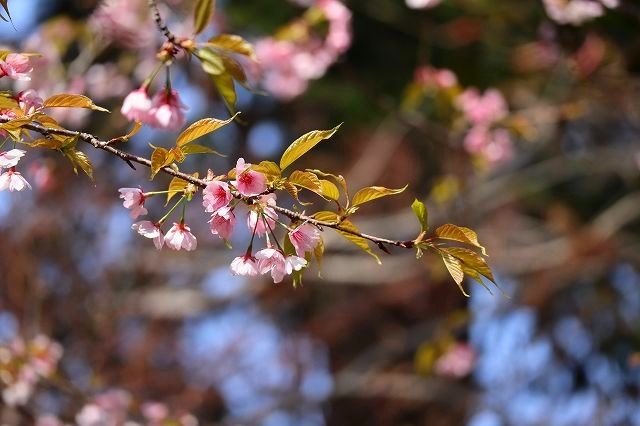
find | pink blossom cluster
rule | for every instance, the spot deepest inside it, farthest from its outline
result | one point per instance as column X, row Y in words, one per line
column 165, row 110
column 11, row 179
column 576, row 12
column 221, row 199
column 427, row 76
column 124, row 22
column 287, row 65
column 457, row 362
column 113, row 407
column 483, row 112
column 16, row 66
column 23, row 364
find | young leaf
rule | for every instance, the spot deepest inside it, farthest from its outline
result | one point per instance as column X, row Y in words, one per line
column 420, row 211
column 306, row 180
column 454, row 266
column 227, row 90
column 194, row 148
column 303, row 144
column 176, row 186
column 211, row 61
column 460, row 234
column 8, row 102
column 329, row 190
column 203, row 14
column 66, row 100
column 158, row 159
column 201, row 128
column 234, row 43
column 234, row 69
column 79, row 160
column 268, row 168
column 373, row 192
column 175, row 154
column 472, row 264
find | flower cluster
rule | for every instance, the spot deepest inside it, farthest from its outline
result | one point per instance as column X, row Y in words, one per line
column 426, row 76
column 576, row 12
column 288, row 63
column 12, row 180
column 16, row 66
column 483, row 112
column 221, row 200
column 165, row 110
column 23, row 364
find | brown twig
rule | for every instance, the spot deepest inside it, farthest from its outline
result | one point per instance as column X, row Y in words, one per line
column 130, row 159
column 162, row 26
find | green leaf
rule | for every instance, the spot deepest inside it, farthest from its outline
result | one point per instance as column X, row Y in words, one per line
column 175, row 154
column 454, row 266
column 194, row 148
column 176, row 186
column 329, row 190
column 374, row 192
column 227, row 90
column 211, row 61
column 201, row 128
column 268, row 168
column 233, row 43
column 158, row 158
column 460, row 234
column 303, row 144
column 66, row 100
column 7, row 101
column 420, row 211
column 80, row 160
column 306, row 180
column 234, row 69
column 203, row 14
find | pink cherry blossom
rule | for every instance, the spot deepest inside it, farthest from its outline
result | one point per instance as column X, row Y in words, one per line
column 15, row 66
column 137, row 105
column 29, row 101
column 215, row 196
column 273, row 261
column 576, row 12
column 150, row 230
column 304, row 238
column 262, row 216
column 222, row 222
column 457, row 362
column 249, row 182
column 10, row 158
column 13, row 181
column 295, row 263
column 422, row 4
column 244, row 265
column 482, row 109
column 125, row 22
column 180, row 236
column 432, row 77
column 134, row 199
column 167, row 110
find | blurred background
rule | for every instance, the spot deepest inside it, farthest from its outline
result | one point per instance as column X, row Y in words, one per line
column 520, row 120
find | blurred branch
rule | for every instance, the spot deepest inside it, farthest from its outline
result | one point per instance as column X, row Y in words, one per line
column 162, row 26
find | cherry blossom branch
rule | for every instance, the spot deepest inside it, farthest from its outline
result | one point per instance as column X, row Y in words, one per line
column 162, row 26
column 201, row 183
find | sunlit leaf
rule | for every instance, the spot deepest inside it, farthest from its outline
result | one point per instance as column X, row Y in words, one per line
column 227, row 90
column 460, row 234
column 194, row 148
column 306, row 180
column 79, row 160
column 454, row 266
column 7, row 101
column 329, row 190
column 201, row 128
column 158, row 158
column 176, row 186
column 420, row 210
column 291, row 189
column 233, row 43
column 203, row 14
column 66, row 100
column 46, row 143
column 268, row 168
column 472, row 260
column 136, row 128
column 373, row 192
column 303, row 144
column 234, row 68
column 175, row 154
column 211, row 61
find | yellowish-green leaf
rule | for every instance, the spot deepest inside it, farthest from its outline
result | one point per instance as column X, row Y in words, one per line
column 233, row 43
column 136, row 128
column 67, row 100
column 303, row 144
column 338, row 178
column 360, row 242
column 211, row 61
column 46, row 143
column 373, row 192
column 234, row 68
column 201, row 128
column 194, row 148
column 291, row 189
column 268, row 168
column 420, row 211
column 472, row 259
column 227, row 90
column 175, row 154
column 306, row 180
column 327, row 216
column 454, row 266
column 8, row 102
column 203, row 14
column 158, row 158
column 460, row 234
column 329, row 190
column 176, row 186
column 80, row 160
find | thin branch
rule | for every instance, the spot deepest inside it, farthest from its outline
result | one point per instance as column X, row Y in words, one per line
column 201, row 183
column 162, row 26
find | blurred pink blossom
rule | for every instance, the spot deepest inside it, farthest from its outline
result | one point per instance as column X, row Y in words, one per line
column 10, row 158
column 439, row 78
column 136, row 105
column 244, row 265
column 16, row 66
column 13, row 181
column 457, row 362
column 123, row 22
column 482, row 109
column 576, row 12
column 150, row 230
column 167, row 111
column 422, row 4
